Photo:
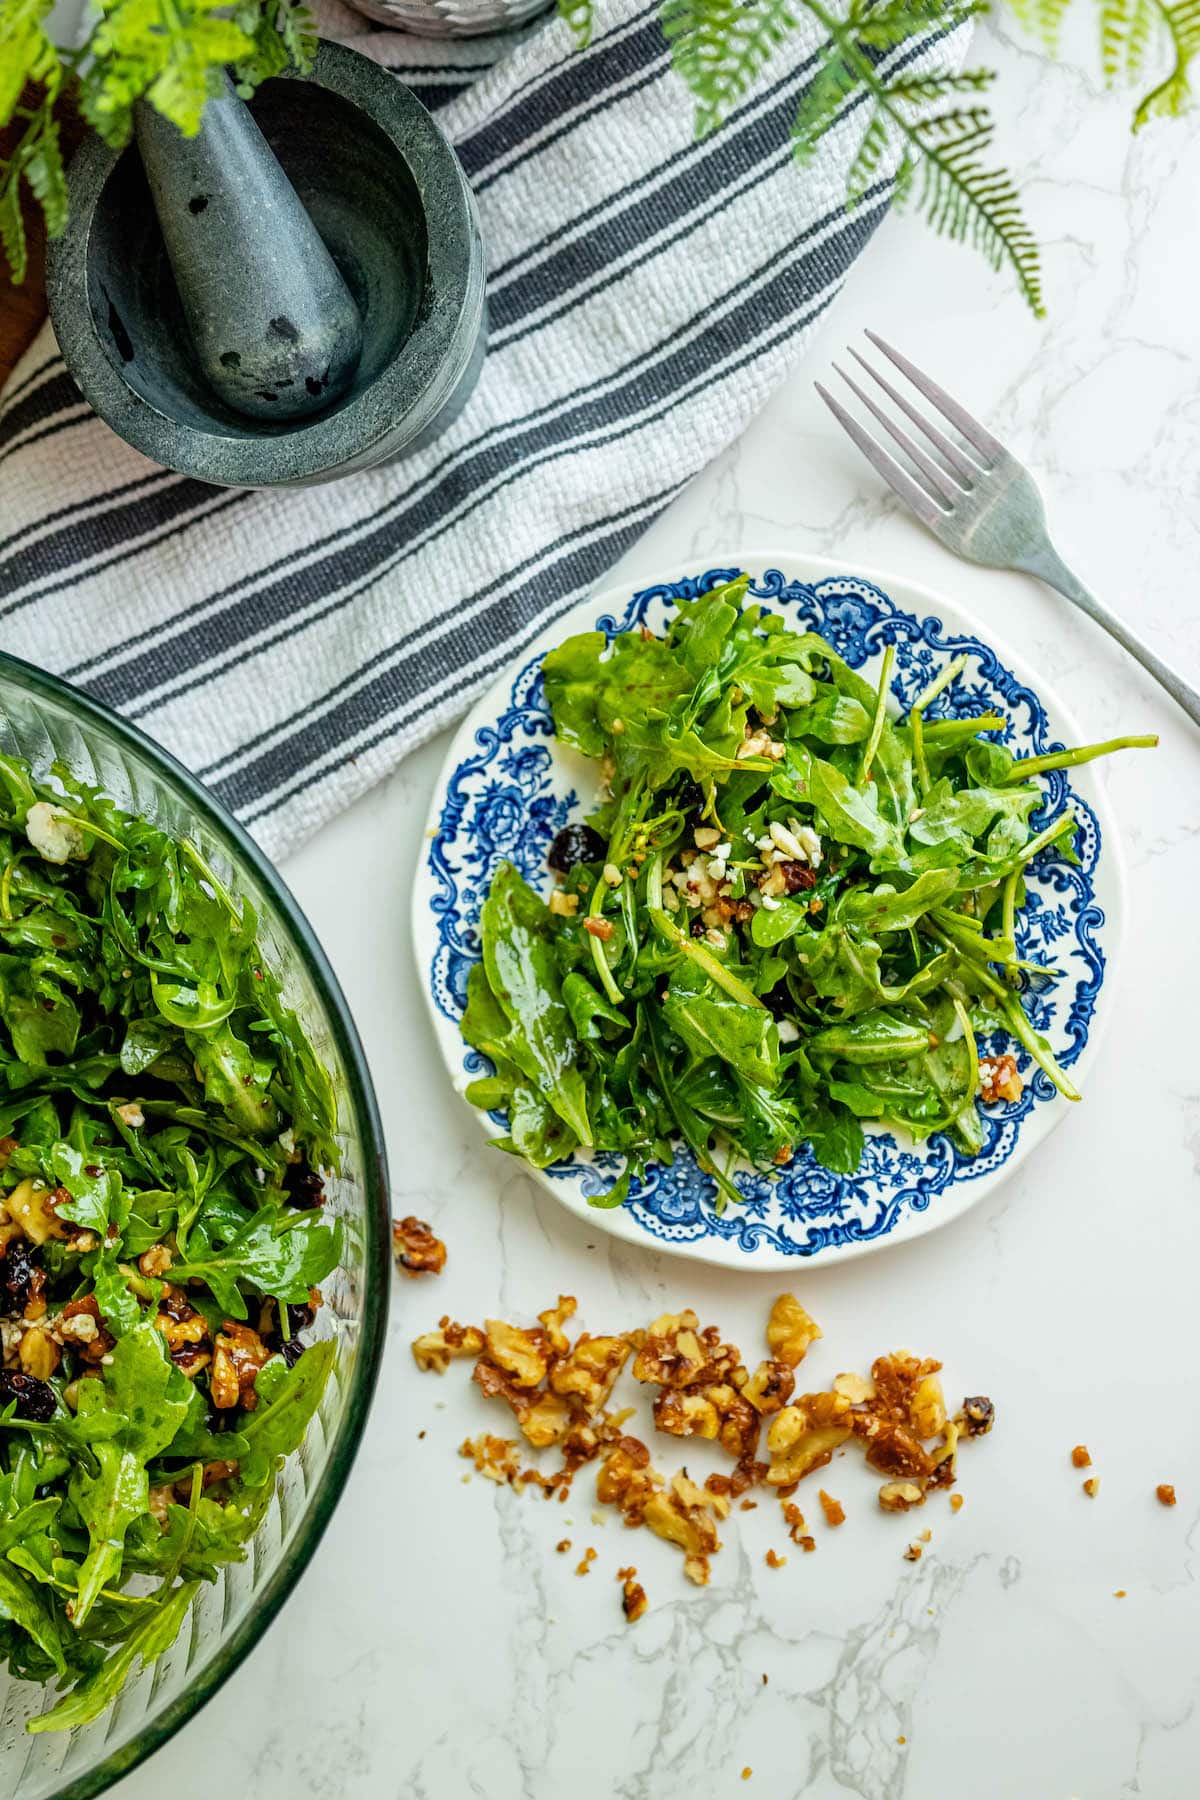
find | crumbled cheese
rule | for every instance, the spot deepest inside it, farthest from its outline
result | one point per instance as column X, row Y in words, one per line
column 706, row 837
column 809, row 841
column 132, row 1115
column 612, row 875
column 788, row 1033
column 53, row 836
column 785, row 840
column 770, row 902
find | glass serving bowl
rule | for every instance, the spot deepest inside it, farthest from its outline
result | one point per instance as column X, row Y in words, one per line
column 45, row 720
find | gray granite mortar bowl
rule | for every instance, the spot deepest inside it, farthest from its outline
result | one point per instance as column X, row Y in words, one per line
column 389, row 198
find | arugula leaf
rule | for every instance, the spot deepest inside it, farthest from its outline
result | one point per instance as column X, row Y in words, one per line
column 126, row 1419
column 274, row 1253
column 152, row 1635
column 288, row 1398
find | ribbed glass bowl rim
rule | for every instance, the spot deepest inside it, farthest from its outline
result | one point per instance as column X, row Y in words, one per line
column 243, row 850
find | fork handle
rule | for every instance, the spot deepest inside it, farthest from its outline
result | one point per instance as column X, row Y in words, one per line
column 1049, row 566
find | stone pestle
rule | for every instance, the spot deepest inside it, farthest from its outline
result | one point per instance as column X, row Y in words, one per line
column 274, row 326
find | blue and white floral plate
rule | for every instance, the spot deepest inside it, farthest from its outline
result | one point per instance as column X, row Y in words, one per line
column 507, row 787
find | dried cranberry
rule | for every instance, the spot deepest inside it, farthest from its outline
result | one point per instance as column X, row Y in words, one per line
column 797, row 876
column 575, row 844
column 303, row 1186
column 689, row 797
column 18, row 1272
column 35, row 1399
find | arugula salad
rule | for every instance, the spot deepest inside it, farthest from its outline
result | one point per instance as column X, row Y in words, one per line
column 164, row 1128
column 791, row 913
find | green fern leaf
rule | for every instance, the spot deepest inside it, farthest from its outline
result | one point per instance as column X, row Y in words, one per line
column 26, row 53
column 1045, row 17
column 12, row 225
column 970, row 203
column 896, row 22
column 924, row 90
column 822, row 101
column 1173, row 94
column 46, row 176
column 865, row 167
column 172, row 51
column 283, row 35
column 721, row 47
column 578, row 15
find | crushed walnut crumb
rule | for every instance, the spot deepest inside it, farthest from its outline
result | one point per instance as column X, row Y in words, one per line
column 1081, row 1457
column 1165, row 1493
column 583, row 1566
column 558, row 1387
column 914, row 1553
column 1091, row 1486
column 835, row 1512
column 956, row 1502
column 563, row 1545
column 416, row 1250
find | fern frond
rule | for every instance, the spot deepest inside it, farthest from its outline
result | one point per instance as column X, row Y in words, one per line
column 821, row 103
column 968, row 202
column 866, row 164
column 721, row 47
column 1173, row 94
column 284, row 36
column 36, row 158
column 884, row 24
column 1044, row 17
column 578, row 15
column 26, row 53
column 12, row 224
column 924, row 90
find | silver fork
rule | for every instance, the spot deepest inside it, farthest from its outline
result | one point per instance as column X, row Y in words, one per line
column 978, row 499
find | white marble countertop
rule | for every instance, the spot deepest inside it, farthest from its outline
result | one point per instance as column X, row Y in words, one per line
column 439, row 1648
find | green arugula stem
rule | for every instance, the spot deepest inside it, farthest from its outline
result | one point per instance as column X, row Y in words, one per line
column 1035, row 1043
column 940, row 682
column 877, row 723
column 603, row 969
column 943, row 729
column 1025, row 766
column 917, row 726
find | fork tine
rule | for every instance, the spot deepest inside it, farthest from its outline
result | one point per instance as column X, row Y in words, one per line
column 911, row 492
column 935, row 477
column 972, row 430
column 962, row 465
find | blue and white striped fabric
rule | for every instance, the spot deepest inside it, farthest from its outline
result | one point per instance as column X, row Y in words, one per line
column 646, row 294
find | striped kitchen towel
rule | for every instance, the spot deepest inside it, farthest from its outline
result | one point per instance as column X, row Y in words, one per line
column 646, row 293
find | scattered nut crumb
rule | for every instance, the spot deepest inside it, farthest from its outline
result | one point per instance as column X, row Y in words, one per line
column 747, row 1772
column 835, row 1512
column 773, row 1560
column 585, row 1562
column 1091, row 1486
column 914, row 1553
column 599, row 928
column 416, row 1250
column 563, row 1545
column 633, row 1599
column 956, row 1502
column 902, row 1740
column 766, row 1678
column 1119, row 1594
column 1165, row 1493
column 808, row 1545
column 1081, row 1457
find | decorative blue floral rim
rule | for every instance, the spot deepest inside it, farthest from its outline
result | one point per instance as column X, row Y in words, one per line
column 509, row 798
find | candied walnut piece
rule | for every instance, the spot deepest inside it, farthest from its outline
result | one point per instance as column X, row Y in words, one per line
column 584, row 1565
column 901, row 1496
column 683, row 1414
column 155, row 1261
column 914, row 1553
column 770, row 1387
column 416, row 1250
column 546, row 1421
column 185, row 1331
column 81, row 1325
column 238, row 1355
column 633, row 1598
column 854, row 1388
column 978, row 1416
column 835, row 1512
column 797, row 1445
column 1165, row 1493
column 553, row 1320
column 927, row 1408
column 999, row 1079
column 1091, row 1486
column 774, row 1561
column 589, row 1371
column 522, row 1354
column 671, row 1353
column 790, row 1331
column 1080, row 1456
column 435, row 1350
